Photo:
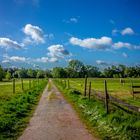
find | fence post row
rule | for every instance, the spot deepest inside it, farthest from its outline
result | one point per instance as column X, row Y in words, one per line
column 106, row 97
column 13, row 85
column 85, row 88
column 89, row 89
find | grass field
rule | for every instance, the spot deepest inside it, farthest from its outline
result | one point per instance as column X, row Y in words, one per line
column 115, row 88
column 6, row 88
column 16, row 108
column 117, row 124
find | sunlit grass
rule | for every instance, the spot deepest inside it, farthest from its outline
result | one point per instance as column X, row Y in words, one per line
column 114, row 86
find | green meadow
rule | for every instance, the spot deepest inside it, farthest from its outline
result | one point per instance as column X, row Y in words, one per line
column 17, row 108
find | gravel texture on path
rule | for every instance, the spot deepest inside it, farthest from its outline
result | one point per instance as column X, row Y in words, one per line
column 55, row 119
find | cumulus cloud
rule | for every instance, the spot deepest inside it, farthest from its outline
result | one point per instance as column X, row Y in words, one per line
column 92, row 43
column 35, row 34
column 120, row 45
column 15, row 58
column 8, row 43
column 101, row 62
column 5, row 61
column 53, row 60
column 42, row 59
column 127, row 31
column 57, row 51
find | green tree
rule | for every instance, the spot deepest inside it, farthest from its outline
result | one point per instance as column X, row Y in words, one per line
column 40, row 74
column 77, row 67
column 30, row 73
column 1, row 73
column 92, row 71
column 59, row 72
column 8, row 75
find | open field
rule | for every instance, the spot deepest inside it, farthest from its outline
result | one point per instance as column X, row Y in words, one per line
column 16, row 108
column 115, row 88
column 118, row 123
column 6, row 88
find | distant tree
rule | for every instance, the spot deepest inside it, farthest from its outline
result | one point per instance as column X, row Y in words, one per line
column 77, row 67
column 8, row 75
column 2, row 73
column 40, row 74
column 59, row 72
column 131, row 72
column 122, row 69
column 92, row 71
column 48, row 74
column 30, row 73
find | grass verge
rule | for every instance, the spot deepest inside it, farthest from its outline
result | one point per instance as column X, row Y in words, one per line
column 15, row 113
column 117, row 125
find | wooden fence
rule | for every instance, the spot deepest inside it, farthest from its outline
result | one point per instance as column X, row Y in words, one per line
column 103, row 96
column 23, row 84
column 113, row 100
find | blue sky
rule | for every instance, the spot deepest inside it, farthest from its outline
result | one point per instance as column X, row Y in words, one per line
column 49, row 33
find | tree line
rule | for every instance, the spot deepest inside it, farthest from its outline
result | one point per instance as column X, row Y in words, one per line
column 75, row 69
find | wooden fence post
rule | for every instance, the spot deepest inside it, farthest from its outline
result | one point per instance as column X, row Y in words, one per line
column 22, row 84
column 89, row 89
column 85, row 88
column 13, row 85
column 106, row 96
column 132, row 88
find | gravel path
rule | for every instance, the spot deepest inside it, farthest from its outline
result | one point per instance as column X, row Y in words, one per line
column 54, row 119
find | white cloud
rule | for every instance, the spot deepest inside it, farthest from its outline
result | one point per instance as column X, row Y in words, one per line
column 8, row 43
column 34, row 33
column 74, row 20
column 101, row 62
column 13, row 59
column 124, row 55
column 120, row 45
column 57, row 51
column 42, row 60
column 92, row 43
column 5, row 61
column 127, row 31
column 53, row 60
column 17, row 59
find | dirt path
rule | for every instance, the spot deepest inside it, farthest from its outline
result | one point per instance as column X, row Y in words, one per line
column 54, row 119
